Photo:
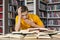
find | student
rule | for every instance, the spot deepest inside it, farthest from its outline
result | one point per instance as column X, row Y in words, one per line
column 25, row 20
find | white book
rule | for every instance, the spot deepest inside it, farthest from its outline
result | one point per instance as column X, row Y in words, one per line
column 31, row 36
column 37, row 29
column 11, row 36
column 44, row 36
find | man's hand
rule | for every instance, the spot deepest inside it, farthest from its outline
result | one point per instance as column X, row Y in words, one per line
column 19, row 11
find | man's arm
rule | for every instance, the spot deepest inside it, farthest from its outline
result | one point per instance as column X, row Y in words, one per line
column 38, row 22
column 18, row 19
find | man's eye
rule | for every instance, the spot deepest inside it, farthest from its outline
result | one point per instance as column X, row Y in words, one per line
column 23, row 15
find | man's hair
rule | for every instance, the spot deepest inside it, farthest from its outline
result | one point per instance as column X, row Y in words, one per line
column 24, row 9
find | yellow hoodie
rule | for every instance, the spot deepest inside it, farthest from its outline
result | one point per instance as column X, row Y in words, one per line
column 35, row 19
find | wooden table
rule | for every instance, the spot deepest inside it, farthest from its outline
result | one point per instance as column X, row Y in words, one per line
column 54, row 37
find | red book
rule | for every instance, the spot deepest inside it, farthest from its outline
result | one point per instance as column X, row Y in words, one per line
column 0, row 30
column 0, row 23
column 1, row 16
column 1, row 2
column 1, row 9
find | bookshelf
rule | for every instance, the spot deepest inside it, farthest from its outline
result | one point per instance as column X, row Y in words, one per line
column 31, row 4
column 3, row 17
column 42, row 11
column 47, row 10
column 53, row 14
column 12, row 7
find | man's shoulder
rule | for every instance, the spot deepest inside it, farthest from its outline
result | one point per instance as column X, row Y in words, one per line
column 17, row 16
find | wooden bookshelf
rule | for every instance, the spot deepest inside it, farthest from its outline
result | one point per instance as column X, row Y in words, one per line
column 54, row 3
column 42, row 11
column 53, row 14
column 53, row 10
column 31, row 4
column 13, row 5
column 54, row 26
column 3, row 16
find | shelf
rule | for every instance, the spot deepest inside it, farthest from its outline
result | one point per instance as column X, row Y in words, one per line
column 1, row 33
column 54, row 25
column 54, row 18
column 21, row 0
column 31, row 11
column 44, row 17
column 12, row 18
column 1, row 19
column 54, row 10
column 12, row 4
column 12, row 12
column 43, row 2
column 1, row 5
column 10, row 25
column 42, row 10
column 53, row 3
column 1, row 12
column 1, row 26
column 29, row 1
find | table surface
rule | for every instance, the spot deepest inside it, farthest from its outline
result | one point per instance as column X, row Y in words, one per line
column 54, row 37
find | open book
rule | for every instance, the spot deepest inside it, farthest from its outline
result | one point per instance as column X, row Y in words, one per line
column 30, row 31
column 11, row 36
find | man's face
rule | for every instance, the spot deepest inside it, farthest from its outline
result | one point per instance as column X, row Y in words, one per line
column 24, row 14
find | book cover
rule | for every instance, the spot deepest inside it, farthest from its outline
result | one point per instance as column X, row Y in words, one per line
column 1, row 1
column 1, row 30
column 57, row 7
column 1, row 9
column 1, row 16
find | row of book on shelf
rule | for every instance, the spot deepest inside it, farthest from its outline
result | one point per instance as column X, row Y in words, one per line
column 53, row 14
column 42, row 6
column 11, row 15
column 49, row 14
column 17, row 2
column 11, row 22
column 13, row 2
column 51, row 1
column 53, row 22
column 1, row 16
column 53, row 7
column 42, row 14
column 12, row 8
column 54, row 28
column 45, row 22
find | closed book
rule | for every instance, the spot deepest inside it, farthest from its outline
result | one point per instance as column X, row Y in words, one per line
column 1, row 30
column 1, row 2
column 31, row 36
column 44, row 36
column 1, row 23
column 1, row 9
column 1, row 16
